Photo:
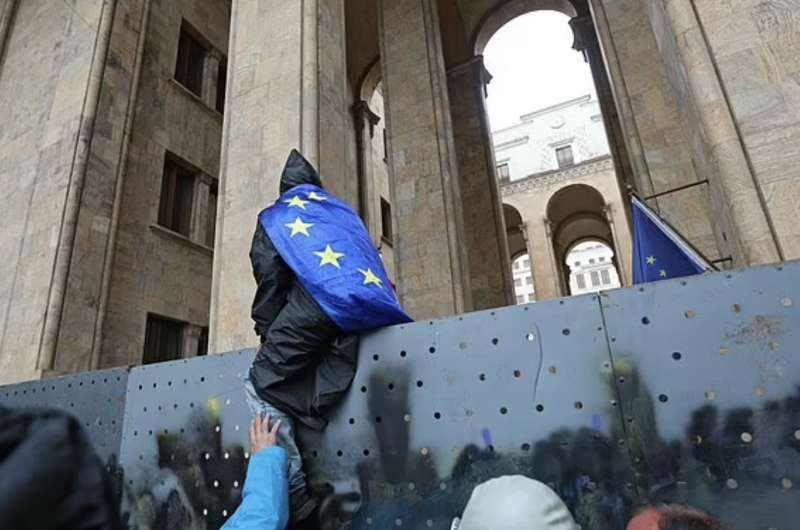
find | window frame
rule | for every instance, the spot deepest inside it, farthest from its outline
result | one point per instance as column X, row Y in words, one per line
column 179, row 326
column 565, row 161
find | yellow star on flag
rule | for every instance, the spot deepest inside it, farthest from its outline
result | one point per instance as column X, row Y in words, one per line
column 299, row 227
column 329, row 257
column 651, row 260
column 662, row 273
column 314, row 196
column 370, row 278
column 297, row 202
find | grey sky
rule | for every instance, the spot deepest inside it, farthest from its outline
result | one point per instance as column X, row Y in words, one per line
column 533, row 66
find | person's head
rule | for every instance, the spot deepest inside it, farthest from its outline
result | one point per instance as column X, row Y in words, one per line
column 514, row 502
column 673, row 517
column 298, row 171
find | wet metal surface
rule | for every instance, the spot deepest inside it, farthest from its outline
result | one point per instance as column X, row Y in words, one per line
column 679, row 391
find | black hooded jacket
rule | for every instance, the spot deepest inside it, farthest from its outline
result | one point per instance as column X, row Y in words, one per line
column 50, row 476
column 305, row 362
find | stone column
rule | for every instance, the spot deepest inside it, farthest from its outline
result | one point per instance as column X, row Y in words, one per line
column 211, row 74
column 488, row 257
column 199, row 224
column 281, row 96
column 545, row 281
column 191, row 340
column 737, row 201
column 366, row 120
column 621, row 254
column 429, row 243
column 555, row 265
column 586, row 42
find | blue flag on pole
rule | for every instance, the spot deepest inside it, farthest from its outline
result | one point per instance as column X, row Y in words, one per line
column 659, row 253
column 327, row 246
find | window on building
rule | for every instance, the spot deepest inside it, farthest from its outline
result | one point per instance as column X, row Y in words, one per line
column 202, row 344
column 581, row 281
column 517, row 282
column 386, row 220
column 601, row 259
column 564, row 156
column 531, row 297
column 177, row 192
column 591, row 261
column 577, row 264
column 163, row 339
column 529, row 280
column 189, row 66
column 221, row 85
column 211, row 218
column 503, row 173
column 526, row 263
column 605, row 276
column 385, row 147
column 595, row 279
column 520, row 299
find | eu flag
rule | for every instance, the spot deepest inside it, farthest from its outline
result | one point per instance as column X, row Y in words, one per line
column 327, row 246
column 659, row 252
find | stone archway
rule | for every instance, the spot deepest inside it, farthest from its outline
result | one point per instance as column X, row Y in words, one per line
column 577, row 213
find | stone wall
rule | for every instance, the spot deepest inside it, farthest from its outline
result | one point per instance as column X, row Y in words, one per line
column 44, row 76
column 756, row 51
column 156, row 270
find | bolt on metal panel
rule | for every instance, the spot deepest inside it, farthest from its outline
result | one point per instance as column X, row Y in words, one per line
column 709, row 377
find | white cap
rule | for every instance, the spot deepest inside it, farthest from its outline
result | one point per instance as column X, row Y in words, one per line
column 515, row 502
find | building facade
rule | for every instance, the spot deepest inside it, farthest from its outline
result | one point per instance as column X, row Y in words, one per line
column 121, row 138
column 562, row 197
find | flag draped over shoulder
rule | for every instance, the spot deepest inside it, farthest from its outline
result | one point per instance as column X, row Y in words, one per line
column 327, row 246
column 659, row 253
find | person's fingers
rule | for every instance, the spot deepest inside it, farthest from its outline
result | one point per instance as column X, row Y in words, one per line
column 276, row 428
column 253, row 431
column 265, row 425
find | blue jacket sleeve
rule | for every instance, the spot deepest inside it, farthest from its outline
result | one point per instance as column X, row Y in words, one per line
column 265, row 497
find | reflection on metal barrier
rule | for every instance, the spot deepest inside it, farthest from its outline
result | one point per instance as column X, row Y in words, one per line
column 679, row 391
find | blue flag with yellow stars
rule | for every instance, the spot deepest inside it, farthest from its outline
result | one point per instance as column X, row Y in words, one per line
column 327, row 246
column 659, row 253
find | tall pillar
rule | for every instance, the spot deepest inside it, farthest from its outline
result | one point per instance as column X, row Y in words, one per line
column 737, row 200
column 429, row 243
column 545, row 277
column 281, row 96
column 488, row 259
column 587, row 43
column 366, row 120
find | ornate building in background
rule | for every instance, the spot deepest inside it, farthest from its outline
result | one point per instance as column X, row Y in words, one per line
column 140, row 138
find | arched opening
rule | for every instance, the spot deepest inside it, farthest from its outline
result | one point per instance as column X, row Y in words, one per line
column 549, row 128
column 577, row 215
column 591, row 267
column 521, row 268
column 375, row 190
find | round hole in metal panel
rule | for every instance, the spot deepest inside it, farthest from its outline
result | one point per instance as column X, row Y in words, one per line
column 689, row 314
column 482, row 377
column 432, row 349
column 378, row 419
column 578, row 405
column 351, row 421
column 495, row 340
column 565, row 331
column 529, row 337
column 375, row 357
column 419, row 384
column 676, row 355
column 645, row 320
column 539, row 408
column 403, row 353
column 363, row 390
column 503, row 410
column 517, row 374
column 437, row 415
column 663, row 398
column 390, row 386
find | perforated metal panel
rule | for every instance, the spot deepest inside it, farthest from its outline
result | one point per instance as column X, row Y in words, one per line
column 709, row 373
column 97, row 399
column 679, row 391
column 440, row 406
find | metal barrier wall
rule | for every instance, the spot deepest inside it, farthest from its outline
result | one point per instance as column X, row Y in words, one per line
column 678, row 391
